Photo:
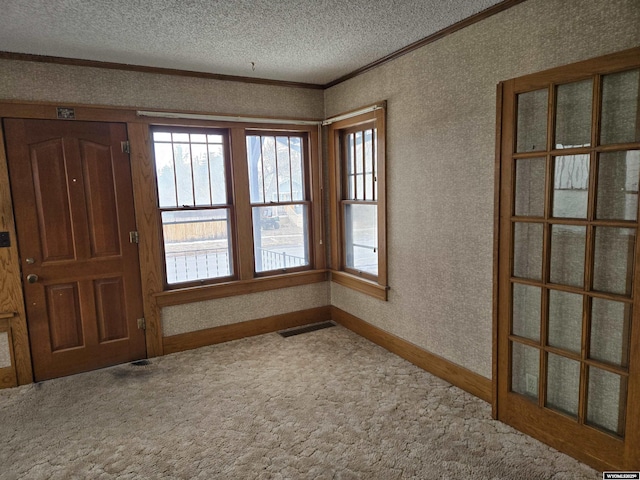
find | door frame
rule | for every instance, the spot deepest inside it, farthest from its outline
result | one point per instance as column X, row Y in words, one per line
column 627, row 59
column 12, row 300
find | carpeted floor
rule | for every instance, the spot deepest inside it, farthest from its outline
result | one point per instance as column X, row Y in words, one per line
column 322, row 405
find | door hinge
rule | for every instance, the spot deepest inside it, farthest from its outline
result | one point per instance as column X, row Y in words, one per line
column 134, row 237
column 126, row 147
column 142, row 324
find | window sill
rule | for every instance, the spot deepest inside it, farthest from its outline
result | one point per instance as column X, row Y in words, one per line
column 242, row 287
column 362, row 285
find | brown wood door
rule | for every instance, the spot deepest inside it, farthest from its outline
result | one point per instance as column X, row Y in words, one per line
column 569, row 259
column 73, row 201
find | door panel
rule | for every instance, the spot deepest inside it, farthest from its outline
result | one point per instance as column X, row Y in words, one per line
column 65, row 321
column 101, row 199
column 52, row 200
column 109, row 294
column 569, row 258
column 73, row 199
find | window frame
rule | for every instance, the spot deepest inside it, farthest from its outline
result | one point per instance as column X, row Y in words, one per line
column 244, row 279
column 306, row 184
column 364, row 282
column 229, row 205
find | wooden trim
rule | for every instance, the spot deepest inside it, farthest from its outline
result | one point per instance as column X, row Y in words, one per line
column 429, row 39
column 624, row 60
column 145, row 202
column 77, row 62
column 553, row 425
column 456, row 375
column 226, row 333
column 8, row 377
column 354, row 124
column 570, row 289
column 7, row 315
column 11, row 294
column 242, row 287
column 504, row 5
column 316, row 180
column 47, row 111
column 362, row 285
column 335, row 194
column 108, row 113
column 632, row 420
column 504, row 256
column 381, row 127
column 496, row 249
column 244, row 254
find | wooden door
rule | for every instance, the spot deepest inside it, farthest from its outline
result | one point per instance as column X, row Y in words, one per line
column 569, row 259
column 73, row 201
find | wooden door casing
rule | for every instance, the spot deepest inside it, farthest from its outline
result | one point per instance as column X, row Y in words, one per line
column 73, row 199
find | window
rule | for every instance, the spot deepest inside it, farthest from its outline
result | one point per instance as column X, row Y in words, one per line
column 279, row 205
column 238, row 204
column 359, row 204
column 356, row 159
column 192, row 169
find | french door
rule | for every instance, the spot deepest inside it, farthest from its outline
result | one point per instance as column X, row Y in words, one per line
column 568, row 356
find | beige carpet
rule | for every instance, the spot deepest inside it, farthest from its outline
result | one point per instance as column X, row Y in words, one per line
column 322, row 405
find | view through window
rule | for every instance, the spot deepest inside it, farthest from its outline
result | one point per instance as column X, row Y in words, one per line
column 193, row 196
column 280, row 209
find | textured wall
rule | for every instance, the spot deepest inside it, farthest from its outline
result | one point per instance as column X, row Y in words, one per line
column 60, row 83
column 440, row 146
column 83, row 85
column 225, row 311
column 5, row 352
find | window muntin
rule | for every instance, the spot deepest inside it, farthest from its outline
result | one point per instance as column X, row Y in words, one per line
column 192, row 168
column 278, row 190
column 359, row 203
column 361, row 159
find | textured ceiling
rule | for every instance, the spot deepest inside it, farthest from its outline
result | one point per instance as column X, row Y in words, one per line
column 311, row 41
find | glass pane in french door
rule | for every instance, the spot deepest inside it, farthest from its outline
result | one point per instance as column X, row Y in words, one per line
column 527, row 306
column 613, row 260
column 525, row 370
column 527, row 250
column 530, row 176
column 568, row 243
column 565, row 320
column 570, row 186
column 618, row 174
column 606, row 406
column 610, row 323
column 620, row 105
column 563, row 384
column 573, row 114
column 532, row 121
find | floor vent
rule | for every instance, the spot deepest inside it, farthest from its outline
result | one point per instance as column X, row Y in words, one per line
column 306, row 329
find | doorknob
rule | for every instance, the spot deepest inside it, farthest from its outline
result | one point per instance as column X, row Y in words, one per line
column 32, row 278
